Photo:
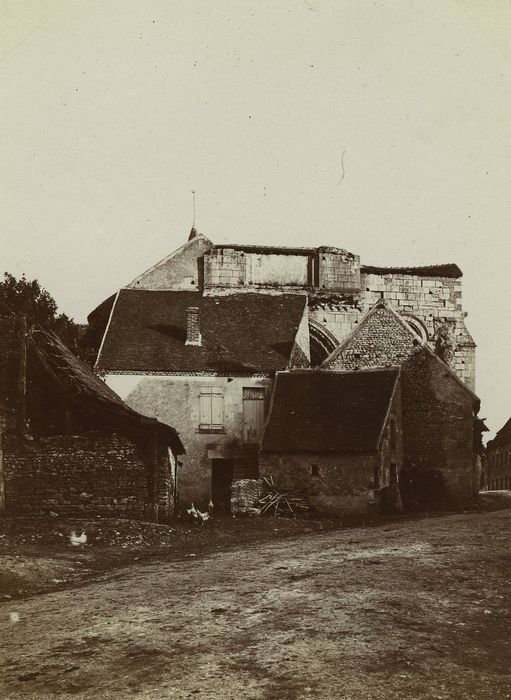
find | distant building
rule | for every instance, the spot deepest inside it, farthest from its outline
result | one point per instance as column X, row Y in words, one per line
column 498, row 460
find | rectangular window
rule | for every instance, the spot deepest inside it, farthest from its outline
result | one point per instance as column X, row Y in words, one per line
column 211, row 408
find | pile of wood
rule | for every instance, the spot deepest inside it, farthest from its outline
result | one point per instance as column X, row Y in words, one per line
column 281, row 503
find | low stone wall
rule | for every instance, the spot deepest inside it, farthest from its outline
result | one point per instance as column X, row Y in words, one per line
column 83, row 476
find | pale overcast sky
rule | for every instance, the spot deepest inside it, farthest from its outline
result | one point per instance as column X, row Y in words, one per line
column 112, row 112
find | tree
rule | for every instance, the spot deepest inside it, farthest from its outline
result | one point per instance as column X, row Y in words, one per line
column 26, row 297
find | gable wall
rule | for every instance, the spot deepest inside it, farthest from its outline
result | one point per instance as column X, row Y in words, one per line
column 438, row 422
column 183, row 270
column 380, row 341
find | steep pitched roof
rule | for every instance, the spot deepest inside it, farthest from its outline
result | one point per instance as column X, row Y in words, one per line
column 383, row 339
column 446, row 270
column 87, row 391
column 323, row 411
column 241, row 333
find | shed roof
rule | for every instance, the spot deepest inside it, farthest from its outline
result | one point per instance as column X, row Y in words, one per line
column 325, row 411
column 87, row 391
column 241, row 333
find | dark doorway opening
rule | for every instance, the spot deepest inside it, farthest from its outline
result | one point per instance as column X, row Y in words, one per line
column 221, row 484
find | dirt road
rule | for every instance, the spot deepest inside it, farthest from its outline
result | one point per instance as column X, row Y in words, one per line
column 415, row 610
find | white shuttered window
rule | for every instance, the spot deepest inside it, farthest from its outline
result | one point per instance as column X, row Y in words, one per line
column 211, row 408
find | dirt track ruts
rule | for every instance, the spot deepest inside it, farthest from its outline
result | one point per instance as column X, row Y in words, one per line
column 415, row 610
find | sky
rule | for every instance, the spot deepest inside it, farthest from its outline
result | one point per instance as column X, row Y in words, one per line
column 382, row 127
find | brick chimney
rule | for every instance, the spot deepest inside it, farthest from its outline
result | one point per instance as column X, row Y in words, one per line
column 193, row 336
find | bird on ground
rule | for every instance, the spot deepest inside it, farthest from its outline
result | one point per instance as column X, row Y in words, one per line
column 192, row 512
column 202, row 517
column 77, row 540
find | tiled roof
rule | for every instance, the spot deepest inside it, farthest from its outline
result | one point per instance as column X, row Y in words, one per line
column 241, row 333
column 447, row 270
column 323, row 411
column 88, row 392
column 381, row 339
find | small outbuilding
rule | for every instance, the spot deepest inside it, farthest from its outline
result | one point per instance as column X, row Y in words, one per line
column 337, row 437
column 84, row 451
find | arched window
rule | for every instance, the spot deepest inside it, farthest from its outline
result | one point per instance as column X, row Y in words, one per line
column 322, row 342
column 416, row 326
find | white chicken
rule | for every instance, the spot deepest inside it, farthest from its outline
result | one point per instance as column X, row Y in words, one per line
column 77, row 540
column 202, row 517
column 211, row 506
column 192, row 512
column 197, row 515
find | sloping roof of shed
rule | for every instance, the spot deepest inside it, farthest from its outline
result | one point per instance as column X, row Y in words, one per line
column 324, row 411
column 84, row 389
column 241, row 333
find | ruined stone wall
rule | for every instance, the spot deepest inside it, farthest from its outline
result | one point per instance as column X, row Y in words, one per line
column 229, row 267
column 338, row 270
column 432, row 307
column 85, row 475
column 181, row 270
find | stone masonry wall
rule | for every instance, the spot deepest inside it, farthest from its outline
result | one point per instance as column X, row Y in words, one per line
column 334, row 484
column 338, row 270
column 182, row 270
column 228, row 267
column 86, row 475
column 426, row 303
column 438, row 423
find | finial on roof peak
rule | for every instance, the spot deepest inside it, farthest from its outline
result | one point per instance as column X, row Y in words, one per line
column 193, row 234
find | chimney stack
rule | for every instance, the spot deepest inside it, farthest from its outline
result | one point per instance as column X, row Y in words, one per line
column 193, row 336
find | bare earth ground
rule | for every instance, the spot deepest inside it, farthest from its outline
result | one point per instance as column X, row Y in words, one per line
column 416, row 609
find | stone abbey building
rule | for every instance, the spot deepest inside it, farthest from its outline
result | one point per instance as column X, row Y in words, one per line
column 196, row 340
column 340, row 291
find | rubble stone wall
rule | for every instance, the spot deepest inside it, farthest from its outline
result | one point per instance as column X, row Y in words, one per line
column 438, row 422
column 334, row 484
column 81, row 476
